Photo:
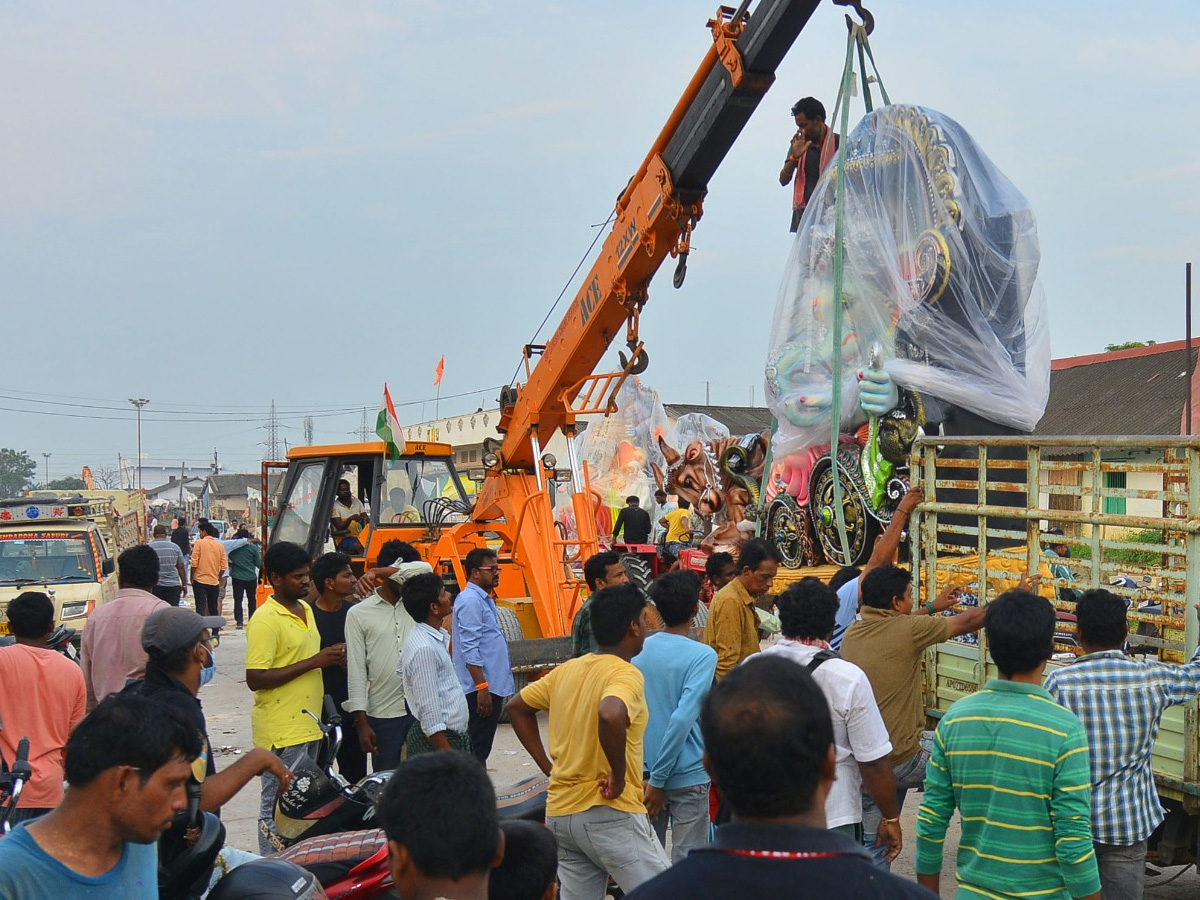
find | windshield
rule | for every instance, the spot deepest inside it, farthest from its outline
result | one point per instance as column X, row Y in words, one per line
column 295, row 515
column 421, row 490
column 44, row 557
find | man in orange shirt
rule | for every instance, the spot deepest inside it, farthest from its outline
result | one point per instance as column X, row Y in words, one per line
column 42, row 698
column 209, row 566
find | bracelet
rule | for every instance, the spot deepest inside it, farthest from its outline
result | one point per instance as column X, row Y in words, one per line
column 930, row 607
column 793, row 159
column 891, row 821
column 482, row 686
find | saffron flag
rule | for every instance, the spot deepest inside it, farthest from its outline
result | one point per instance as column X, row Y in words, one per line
column 387, row 426
column 440, row 370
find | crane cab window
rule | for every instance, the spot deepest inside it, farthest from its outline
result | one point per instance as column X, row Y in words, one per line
column 421, row 491
column 298, row 506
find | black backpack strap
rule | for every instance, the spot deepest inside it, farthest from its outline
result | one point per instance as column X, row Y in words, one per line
column 821, row 658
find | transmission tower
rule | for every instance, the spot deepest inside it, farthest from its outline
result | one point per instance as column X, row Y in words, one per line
column 308, row 430
column 363, row 434
column 272, row 427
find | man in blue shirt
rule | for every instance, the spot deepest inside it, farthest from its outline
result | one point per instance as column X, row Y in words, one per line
column 678, row 673
column 127, row 764
column 481, row 651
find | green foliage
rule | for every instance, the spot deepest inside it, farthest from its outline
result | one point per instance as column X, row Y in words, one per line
column 16, row 472
column 69, row 483
column 1126, row 557
column 1128, row 345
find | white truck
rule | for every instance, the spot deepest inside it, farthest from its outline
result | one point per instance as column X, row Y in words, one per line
column 67, row 547
column 1129, row 509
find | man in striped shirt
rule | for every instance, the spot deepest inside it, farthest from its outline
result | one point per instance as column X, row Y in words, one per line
column 1015, row 764
column 1121, row 703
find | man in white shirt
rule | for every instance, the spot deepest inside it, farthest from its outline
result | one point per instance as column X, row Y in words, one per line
column 430, row 682
column 376, row 630
column 807, row 613
column 347, row 520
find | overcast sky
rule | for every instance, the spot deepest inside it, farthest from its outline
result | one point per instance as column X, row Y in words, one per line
column 218, row 205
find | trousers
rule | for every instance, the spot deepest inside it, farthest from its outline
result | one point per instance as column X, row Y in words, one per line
column 268, row 837
column 603, row 841
column 686, row 810
column 1122, row 870
column 909, row 774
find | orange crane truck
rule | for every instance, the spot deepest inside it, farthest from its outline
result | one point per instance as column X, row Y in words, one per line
column 419, row 497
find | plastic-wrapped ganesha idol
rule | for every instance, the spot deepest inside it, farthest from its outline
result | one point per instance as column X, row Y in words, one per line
column 943, row 324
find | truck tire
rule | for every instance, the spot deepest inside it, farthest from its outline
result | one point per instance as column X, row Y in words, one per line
column 639, row 574
column 510, row 625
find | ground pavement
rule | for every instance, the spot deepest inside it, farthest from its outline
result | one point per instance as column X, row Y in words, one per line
column 227, row 705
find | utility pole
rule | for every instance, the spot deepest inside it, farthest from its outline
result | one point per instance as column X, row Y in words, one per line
column 46, row 457
column 216, row 463
column 182, row 466
column 139, row 402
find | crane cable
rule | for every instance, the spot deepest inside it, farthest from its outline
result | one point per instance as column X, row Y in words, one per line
column 856, row 38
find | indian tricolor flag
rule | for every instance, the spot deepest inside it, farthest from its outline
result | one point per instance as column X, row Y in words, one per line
column 387, row 426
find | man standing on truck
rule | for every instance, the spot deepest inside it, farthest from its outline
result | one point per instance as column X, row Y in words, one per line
column 111, row 651
column 480, row 650
column 888, row 644
column 633, row 523
column 1121, row 704
column 1015, row 764
column 732, row 627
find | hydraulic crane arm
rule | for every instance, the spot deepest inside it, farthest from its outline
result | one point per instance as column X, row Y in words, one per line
column 654, row 219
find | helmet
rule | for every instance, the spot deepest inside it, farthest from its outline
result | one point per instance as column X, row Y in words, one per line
column 268, row 879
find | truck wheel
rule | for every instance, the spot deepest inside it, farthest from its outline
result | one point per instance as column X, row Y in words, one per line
column 510, row 625
column 639, row 573
column 520, row 679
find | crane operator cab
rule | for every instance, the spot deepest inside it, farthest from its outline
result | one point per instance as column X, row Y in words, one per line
column 351, row 497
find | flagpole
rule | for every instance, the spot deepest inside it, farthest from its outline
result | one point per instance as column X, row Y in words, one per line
column 437, row 400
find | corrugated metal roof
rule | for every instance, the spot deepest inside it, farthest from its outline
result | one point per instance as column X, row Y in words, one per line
column 738, row 419
column 1119, row 394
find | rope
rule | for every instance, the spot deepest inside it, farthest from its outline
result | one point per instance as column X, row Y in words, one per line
column 856, row 38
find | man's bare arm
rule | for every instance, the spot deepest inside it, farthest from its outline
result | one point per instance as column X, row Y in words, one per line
column 523, row 719
column 613, row 727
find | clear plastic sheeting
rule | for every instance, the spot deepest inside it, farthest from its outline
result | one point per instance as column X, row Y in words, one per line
column 940, row 270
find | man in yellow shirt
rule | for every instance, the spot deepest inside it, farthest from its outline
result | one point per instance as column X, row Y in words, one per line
column 284, row 660
column 732, row 627
column 597, row 704
column 678, row 523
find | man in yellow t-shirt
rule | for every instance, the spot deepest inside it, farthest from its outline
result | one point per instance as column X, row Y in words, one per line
column 284, row 660
column 678, row 523
column 597, row 705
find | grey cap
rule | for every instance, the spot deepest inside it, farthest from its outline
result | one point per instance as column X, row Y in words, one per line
column 173, row 628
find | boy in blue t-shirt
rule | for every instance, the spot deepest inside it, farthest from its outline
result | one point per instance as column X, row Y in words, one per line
column 679, row 672
column 127, row 764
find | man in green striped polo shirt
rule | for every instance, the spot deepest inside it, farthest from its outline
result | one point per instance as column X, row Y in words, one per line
column 1015, row 764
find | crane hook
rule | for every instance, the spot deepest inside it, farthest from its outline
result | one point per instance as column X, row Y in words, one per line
column 868, row 20
column 641, row 360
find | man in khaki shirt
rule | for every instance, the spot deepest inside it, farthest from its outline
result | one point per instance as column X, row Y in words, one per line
column 888, row 644
column 732, row 628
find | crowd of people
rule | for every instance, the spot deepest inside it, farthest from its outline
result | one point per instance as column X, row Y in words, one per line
column 675, row 765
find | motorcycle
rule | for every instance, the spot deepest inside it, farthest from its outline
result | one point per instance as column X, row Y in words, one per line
column 12, row 781
column 62, row 640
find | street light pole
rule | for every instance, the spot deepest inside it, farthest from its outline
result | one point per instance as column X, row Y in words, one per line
column 139, row 403
column 46, row 456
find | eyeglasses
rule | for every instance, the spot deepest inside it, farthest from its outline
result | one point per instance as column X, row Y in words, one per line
column 487, row 568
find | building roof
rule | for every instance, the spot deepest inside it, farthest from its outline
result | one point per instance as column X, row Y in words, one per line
column 1142, row 390
column 738, row 419
column 238, row 485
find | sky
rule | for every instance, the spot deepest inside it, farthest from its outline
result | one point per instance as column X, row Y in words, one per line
column 216, row 206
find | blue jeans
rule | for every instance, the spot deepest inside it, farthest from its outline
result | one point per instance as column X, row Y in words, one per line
column 1122, row 870
column 686, row 810
column 909, row 774
column 390, row 735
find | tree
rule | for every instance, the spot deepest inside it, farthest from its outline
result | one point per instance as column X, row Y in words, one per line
column 69, row 483
column 16, row 472
column 1128, row 345
column 105, row 477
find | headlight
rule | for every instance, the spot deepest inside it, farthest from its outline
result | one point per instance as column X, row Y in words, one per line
column 549, row 460
column 74, row 610
column 491, row 460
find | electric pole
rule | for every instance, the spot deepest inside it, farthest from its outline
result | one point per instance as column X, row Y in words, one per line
column 273, row 434
column 46, row 457
column 308, row 430
column 363, row 433
column 139, row 402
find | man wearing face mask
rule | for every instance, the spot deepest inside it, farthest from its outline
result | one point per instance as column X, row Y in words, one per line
column 178, row 643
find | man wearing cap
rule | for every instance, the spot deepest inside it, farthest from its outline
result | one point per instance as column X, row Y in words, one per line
column 178, row 643
column 376, row 629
